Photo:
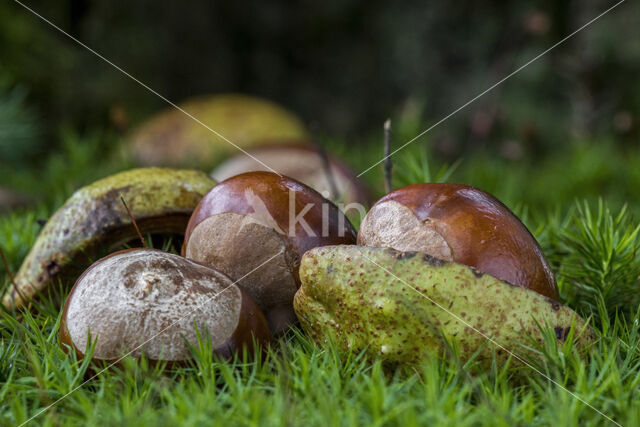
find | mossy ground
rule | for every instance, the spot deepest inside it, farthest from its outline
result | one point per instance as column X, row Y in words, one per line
column 592, row 246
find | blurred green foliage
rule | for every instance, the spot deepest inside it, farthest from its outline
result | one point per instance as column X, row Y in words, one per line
column 343, row 65
column 19, row 126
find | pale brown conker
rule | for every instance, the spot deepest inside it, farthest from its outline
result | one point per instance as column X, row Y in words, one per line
column 146, row 300
column 302, row 162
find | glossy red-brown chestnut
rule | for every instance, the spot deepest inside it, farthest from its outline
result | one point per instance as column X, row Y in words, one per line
column 301, row 162
column 255, row 227
column 146, row 300
column 462, row 224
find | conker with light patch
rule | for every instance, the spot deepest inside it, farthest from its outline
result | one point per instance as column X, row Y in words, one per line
column 255, row 227
column 146, row 300
column 462, row 224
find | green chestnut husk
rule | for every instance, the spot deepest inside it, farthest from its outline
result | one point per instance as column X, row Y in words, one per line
column 406, row 307
column 94, row 220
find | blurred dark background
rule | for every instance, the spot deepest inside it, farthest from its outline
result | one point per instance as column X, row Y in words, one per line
column 343, row 66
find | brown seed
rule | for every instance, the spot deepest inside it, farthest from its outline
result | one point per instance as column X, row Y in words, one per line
column 255, row 228
column 459, row 219
column 303, row 163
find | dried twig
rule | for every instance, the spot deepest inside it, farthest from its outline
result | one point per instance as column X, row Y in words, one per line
column 133, row 221
column 6, row 266
column 387, row 156
column 326, row 165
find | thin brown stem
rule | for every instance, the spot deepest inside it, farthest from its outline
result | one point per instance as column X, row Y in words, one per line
column 326, row 165
column 6, row 266
column 387, row 156
column 133, row 221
